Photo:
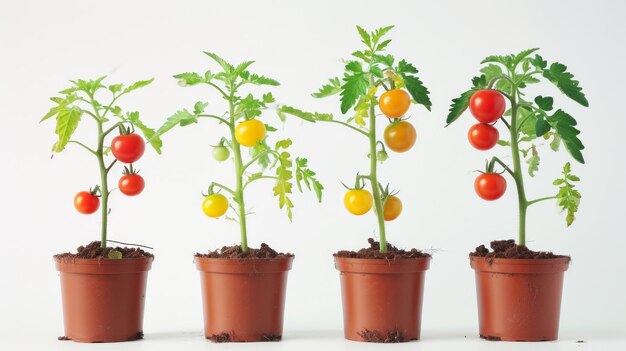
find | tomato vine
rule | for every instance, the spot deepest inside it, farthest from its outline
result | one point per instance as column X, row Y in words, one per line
column 242, row 119
column 68, row 112
column 529, row 122
column 370, row 69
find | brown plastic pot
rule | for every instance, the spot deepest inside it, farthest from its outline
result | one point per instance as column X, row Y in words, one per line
column 519, row 299
column 103, row 299
column 381, row 296
column 243, row 299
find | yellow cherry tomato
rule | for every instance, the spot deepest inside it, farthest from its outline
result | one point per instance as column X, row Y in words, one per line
column 358, row 201
column 400, row 136
column 215, row 205
column 394, row 103
column 392, row 208
column 249, row 133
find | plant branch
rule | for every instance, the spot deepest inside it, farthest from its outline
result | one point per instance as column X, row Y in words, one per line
column 347, row 125
column 223, row 187
column 84, row 146
column 539, row 200
column 222, row 120
column 257, row 178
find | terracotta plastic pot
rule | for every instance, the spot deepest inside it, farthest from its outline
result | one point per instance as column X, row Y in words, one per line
column 519, row 299
column 243, row 299
column 103, row 299
column 382, row 297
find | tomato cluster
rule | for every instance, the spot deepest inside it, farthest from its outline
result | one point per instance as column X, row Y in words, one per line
column 487, row 106
column 247, row 133
column 127, row 148
column 400, row 135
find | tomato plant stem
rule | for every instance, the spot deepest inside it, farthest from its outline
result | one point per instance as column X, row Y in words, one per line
column 239, row 169
column 104, row 186
column 517, row 169
column 373, row 176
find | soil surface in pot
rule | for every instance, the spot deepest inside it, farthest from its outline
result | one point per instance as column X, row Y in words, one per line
column 93, row 250
column 509, row 249
column 373, row 252
column 228, row 337
column 235, row 252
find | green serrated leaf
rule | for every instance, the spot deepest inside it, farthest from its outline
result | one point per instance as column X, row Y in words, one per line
column 564, row 125
column 307, row 176
column 332, row 88
column 67, row 122
column 181, row 117
column 539, row 62
column 458, row 106
column 541, row 127
column 307, row 116
column 154, row 140
column 268, row 98
column 544, row 102
column 137, row 85
column 190, row 78
column 533, row 161
column 227, row 67
column 557, row 74
column 282, row 144
column 504, row 142
column 386, row 60
column 355, row 86
column 365, row 37
column 568, row 198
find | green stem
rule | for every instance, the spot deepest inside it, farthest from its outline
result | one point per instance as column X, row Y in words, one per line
column 261, row 177
column 239, row 172
column 223, row 187
column 347, row 125
column 83, row 145
column 373, row 176
column 539, row 200
column 517, row 171
column 104, row 186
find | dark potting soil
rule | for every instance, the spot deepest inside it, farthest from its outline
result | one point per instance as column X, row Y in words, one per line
column 393, row 336
column 93, row 250
column 228, row 337
column 373, row 252
column 63, row 338
column 490, row 338
column 509, row 249
column 235, row 252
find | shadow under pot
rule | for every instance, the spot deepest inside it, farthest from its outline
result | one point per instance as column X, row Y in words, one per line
column 382, row 299
column 103, row 299
column 243, row 299
column 519, row 299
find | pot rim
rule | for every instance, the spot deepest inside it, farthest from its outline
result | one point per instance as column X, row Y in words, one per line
column 382, row 266
column 520, row 265
column 103, row 265
column 243, row 265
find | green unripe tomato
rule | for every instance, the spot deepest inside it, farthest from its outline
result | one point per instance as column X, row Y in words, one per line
column 221, row 153
column 382, row 156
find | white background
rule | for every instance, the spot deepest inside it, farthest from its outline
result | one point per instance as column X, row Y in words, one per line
column 46, row 43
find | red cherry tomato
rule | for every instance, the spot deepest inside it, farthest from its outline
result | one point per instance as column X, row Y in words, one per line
column 128, row 148
column 86, row 202
column 490, row 186
column 483, row 136
column 131, row 184
column 487, row 105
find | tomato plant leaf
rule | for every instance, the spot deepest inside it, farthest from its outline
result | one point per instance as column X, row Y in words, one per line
column 544, row 102
column 565, row 126
column 541, row 126
column 332, row 88
column 533, row 161
column 257, row 79
column 149, row 133
column 354, row 87
column 307, row 176
column 568, row 198
column 413, row 84
column 283, row 185
column 458, row 106
column 558, row 74
column 181, row 117
column 227, row 67
column 379, row 34
column 190, row 78
column 260, row 152
column 137, row 85
column 67, row 122
column 365, row 37
column 307, row 116
column 114, row 255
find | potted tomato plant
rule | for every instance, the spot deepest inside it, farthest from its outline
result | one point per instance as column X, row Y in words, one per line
column 103, row 287
column 243, row 288
column 519, row 290
column 382, row 286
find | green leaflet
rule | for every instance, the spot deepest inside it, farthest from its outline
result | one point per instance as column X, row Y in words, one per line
column 67, row 122
column 149, row 133
column 557, row 74
column 181, row 117
column 565, row 127
column 283, row 186
column 458, row 106
column 413, row 84
column 354, row 86
column 568, row 198
column 307, row 176
column 332, row 88
column 533, row 161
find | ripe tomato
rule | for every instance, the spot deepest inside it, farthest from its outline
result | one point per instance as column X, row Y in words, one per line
column 483, row 136
column 249, row 133
column 215, row 205
column 400, row 136
column 131, row 184
column 220, row 153
column 128, row 148
column 358, row 201
column 487, row 105
column 394, row 103
column 86, row 202
column 490, row 186
column 392, row 208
